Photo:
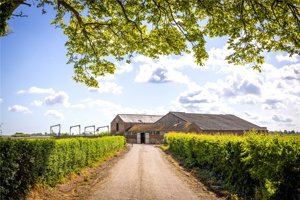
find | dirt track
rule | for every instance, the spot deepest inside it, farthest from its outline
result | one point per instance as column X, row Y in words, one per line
column 144, row 173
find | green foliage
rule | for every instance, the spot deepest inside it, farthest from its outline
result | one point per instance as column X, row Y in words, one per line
column 24, row 163
column 122, row 29
column 275, row 162
column 106, row 133
column 6, row 9
column 256, row 166
column 20, row 135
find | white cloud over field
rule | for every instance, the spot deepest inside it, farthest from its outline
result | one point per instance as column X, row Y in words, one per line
column 270, row 98
column 36, row 90
column 107, row 87
column 54, row 114
column 107, row 83
column 281, row 58
column 19, row 109
column 57, row 98
column 166, row 69
column 273, row 96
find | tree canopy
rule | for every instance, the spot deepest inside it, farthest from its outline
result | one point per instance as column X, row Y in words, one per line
column 97, row 29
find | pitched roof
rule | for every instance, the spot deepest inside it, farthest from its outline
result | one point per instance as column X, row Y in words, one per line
column 138, row 118
column 183, row 127
column 217, row 122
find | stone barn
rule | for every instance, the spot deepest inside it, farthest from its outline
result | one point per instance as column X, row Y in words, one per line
column 208, row 123
column 184, row 122
column 123, row 122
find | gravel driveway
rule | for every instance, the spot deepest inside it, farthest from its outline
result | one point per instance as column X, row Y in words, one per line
column 144, row 173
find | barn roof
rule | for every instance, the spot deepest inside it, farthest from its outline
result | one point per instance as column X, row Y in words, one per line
column 205, row 122
column 183, row 127
column 217, row 122
column 139, row 118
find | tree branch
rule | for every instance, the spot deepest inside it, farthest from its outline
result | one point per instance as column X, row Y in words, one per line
column 242, row 16
column 19, row 2
column 19, row 15
column 71, row 9
column 295, row 13
column 81, row 23
column 129, row 20
column 178, row 26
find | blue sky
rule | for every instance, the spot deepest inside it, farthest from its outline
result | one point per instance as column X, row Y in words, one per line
column 37, row 89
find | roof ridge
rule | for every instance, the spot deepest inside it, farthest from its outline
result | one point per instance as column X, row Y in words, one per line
column 198, row 113
column 176, row 114
column 141, row 114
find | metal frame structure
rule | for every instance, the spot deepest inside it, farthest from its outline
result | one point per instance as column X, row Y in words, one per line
column 1, row 124
column 102, row 127
column 51, row 131
column 92, row 126
column 71, row 127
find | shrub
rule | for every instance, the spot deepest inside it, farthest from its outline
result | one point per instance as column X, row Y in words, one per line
column 257, row 166
column 24, row 163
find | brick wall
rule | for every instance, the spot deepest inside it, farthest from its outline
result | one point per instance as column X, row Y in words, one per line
column 153, row 138
column 113, row 127
column 156, row 139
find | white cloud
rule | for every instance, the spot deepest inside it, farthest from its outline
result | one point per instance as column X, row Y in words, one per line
column 281, row 119
column 160, row 74
column 201, row 101
column 120, row 69
column 251, row 115
column 19, row 109
column 216, row 60
column 1, row 100
column 106, row 77
column 110, row 109
column 123, row 68
column 281, row 58
column 247, row 99
column 57, row 98
column 107, row 87
column 81, row 106
column 200, row 96
column 273, row 104
column 289, row 76
column 107, row 84
column 36, row 90
column 37, row 103
column 273, row 96
column 238, row 85
column 54, row 113
column 165, row 69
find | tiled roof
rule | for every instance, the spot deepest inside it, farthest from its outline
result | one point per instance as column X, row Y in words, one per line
column 217, row 122
column 138, row 118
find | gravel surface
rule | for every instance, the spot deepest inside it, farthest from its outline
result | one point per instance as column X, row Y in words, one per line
column 145, row 173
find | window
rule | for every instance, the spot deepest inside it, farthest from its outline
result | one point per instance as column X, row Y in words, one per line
column 117, row 127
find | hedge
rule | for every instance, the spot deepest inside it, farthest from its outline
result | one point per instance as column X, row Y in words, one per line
column 25, row 162
column 259, row 166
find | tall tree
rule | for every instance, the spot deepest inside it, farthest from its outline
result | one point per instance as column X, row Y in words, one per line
column 97, row 29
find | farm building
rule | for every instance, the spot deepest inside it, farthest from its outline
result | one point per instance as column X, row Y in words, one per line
column 153, row 132
column 123, row 122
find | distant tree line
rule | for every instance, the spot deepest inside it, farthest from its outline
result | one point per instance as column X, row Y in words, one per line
column 21, row 134
column 285, row 132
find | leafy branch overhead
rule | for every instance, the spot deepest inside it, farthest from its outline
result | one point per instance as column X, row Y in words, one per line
column 97, row 29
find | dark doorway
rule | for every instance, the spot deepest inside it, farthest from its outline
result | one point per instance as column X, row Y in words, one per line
column 117, row 127
column 142, row 138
